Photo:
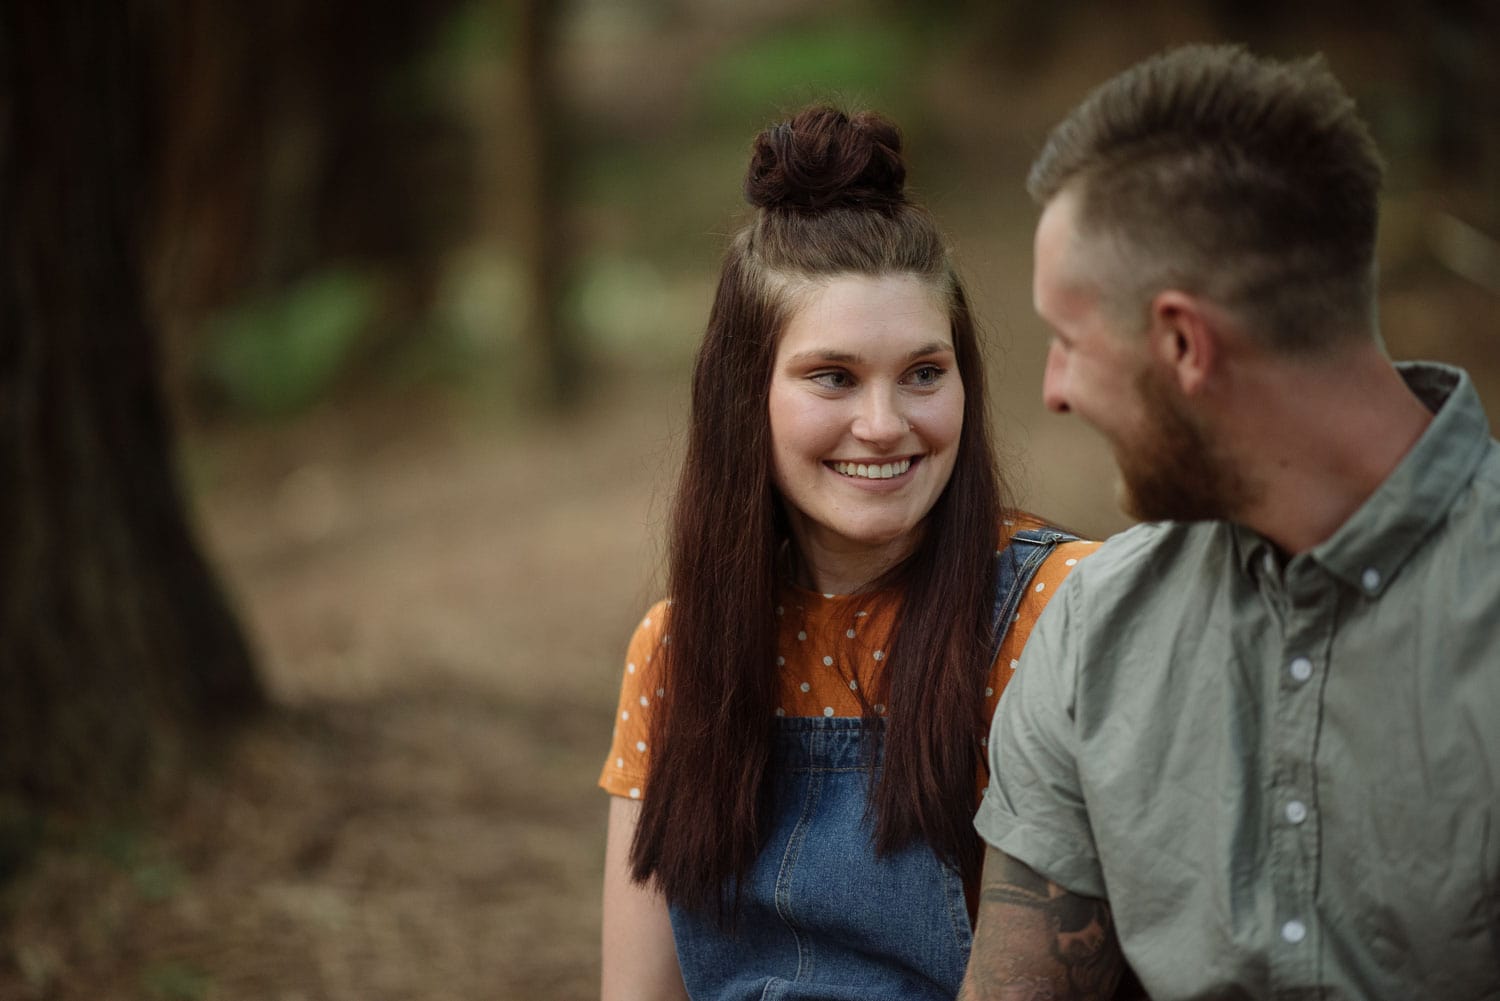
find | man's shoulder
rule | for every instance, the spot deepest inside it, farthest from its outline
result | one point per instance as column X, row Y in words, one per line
column 1158, row 551
column 1487, row 475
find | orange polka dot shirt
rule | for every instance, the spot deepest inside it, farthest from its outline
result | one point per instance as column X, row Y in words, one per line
column 827, row 646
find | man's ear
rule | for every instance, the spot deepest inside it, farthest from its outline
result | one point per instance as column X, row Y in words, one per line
column 1184, row 339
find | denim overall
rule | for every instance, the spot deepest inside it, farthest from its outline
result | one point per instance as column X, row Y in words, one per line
column 822, row 915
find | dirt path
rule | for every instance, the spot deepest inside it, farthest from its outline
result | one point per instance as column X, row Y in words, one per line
column 439, row 604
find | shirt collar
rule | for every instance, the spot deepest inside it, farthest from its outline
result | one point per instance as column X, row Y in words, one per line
column 1369, row 547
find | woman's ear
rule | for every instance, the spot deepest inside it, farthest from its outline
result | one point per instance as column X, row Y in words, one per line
column 1184, row 339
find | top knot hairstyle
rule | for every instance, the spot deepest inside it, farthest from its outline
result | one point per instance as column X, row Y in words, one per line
column 830, row 200
column 824, row 158
column 1245, row 179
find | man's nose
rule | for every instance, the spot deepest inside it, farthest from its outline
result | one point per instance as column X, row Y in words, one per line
column 1055, row 380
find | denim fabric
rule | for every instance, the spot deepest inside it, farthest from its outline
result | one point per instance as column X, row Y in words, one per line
column 822, row 915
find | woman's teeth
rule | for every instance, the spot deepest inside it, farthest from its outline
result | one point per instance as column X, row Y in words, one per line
column 882, row 471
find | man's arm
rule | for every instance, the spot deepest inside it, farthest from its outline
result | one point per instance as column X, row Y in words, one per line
column 1035, row 941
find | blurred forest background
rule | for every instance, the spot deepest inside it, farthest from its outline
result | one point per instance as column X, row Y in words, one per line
column 344, row 367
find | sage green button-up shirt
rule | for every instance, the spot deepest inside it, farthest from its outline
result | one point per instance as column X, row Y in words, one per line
column 1283, row 775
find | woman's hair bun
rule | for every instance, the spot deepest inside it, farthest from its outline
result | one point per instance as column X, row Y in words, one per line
column 822, row 158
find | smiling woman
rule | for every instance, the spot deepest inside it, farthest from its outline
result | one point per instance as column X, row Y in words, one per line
column 799, row 741
column 866, row 407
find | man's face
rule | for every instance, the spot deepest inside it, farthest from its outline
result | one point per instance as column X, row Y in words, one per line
column 1169, row 467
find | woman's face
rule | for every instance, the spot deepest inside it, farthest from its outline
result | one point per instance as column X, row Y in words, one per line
column 866, row 408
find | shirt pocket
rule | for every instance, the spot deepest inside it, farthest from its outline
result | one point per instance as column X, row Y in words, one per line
column 1425, row 904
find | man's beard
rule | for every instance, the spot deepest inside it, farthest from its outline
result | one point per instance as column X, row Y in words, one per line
column 1174, row 472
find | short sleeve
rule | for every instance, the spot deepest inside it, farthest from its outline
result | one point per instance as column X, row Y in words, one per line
column 1033, row 808
column 624, row 772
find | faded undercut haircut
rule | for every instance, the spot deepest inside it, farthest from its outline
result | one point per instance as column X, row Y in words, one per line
column 1248, row 181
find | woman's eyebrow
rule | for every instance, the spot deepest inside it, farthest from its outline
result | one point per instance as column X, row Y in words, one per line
column 847, row 358
column 826, row 354
column 936, row 347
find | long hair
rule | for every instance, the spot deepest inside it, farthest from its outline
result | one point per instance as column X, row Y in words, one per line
column 829, row 194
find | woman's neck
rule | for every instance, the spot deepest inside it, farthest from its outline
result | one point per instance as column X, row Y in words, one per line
column 834, row 569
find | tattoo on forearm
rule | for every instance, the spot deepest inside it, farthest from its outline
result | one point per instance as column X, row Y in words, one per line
column 1040, row 942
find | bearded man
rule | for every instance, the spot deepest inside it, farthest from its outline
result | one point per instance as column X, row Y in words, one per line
column 1253, row 746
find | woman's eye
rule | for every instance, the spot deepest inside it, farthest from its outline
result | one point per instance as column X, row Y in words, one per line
column 832, row 380
column 926, row 375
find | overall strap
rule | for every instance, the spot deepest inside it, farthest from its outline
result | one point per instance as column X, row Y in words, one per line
column 1015, row 565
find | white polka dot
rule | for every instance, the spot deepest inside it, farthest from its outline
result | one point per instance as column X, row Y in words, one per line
column 878, row 655
column 781, row 662
column 828, row 710
column 1370, row 579
column 1041, row 586
column 805, row 687
column 1016, row 617
column 640, row 745
column 853, row 685
column 630, row 668
column 801, row 634
column 1070, row 563
column 1007, row 521
column 1014, row 664
column 648, row 658
column 827, row 661
column 645, row 701
column 625, row 714
column 635, row 794
column 830, row 596
column 646, row 621
column 989, row 692
column 619, row 762
column 660, row 692
column 858, row 615
column 780, row 711
column 666, row 639
column 849, row 633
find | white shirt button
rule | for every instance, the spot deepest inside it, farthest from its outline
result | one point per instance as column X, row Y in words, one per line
column 1294, row 931
column 1301, row 669
column 1370, row 578
column 1296, row 811
column 1268, row 561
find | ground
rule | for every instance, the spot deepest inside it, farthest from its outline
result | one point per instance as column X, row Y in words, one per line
column 439, row 605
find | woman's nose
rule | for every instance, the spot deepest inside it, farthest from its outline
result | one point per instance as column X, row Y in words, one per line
column 880, row 419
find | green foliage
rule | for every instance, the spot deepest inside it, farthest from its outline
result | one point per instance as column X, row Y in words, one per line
column 176, row 982
column 156, row 876
column 21, row 835
column 280, row 351
column 869, row 62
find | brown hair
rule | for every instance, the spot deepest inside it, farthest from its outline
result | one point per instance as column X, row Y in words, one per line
column 1250, row 181
column 829, row 193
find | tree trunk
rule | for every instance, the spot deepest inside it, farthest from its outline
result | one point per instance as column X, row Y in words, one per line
column 550, row 354
column 119, row 656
